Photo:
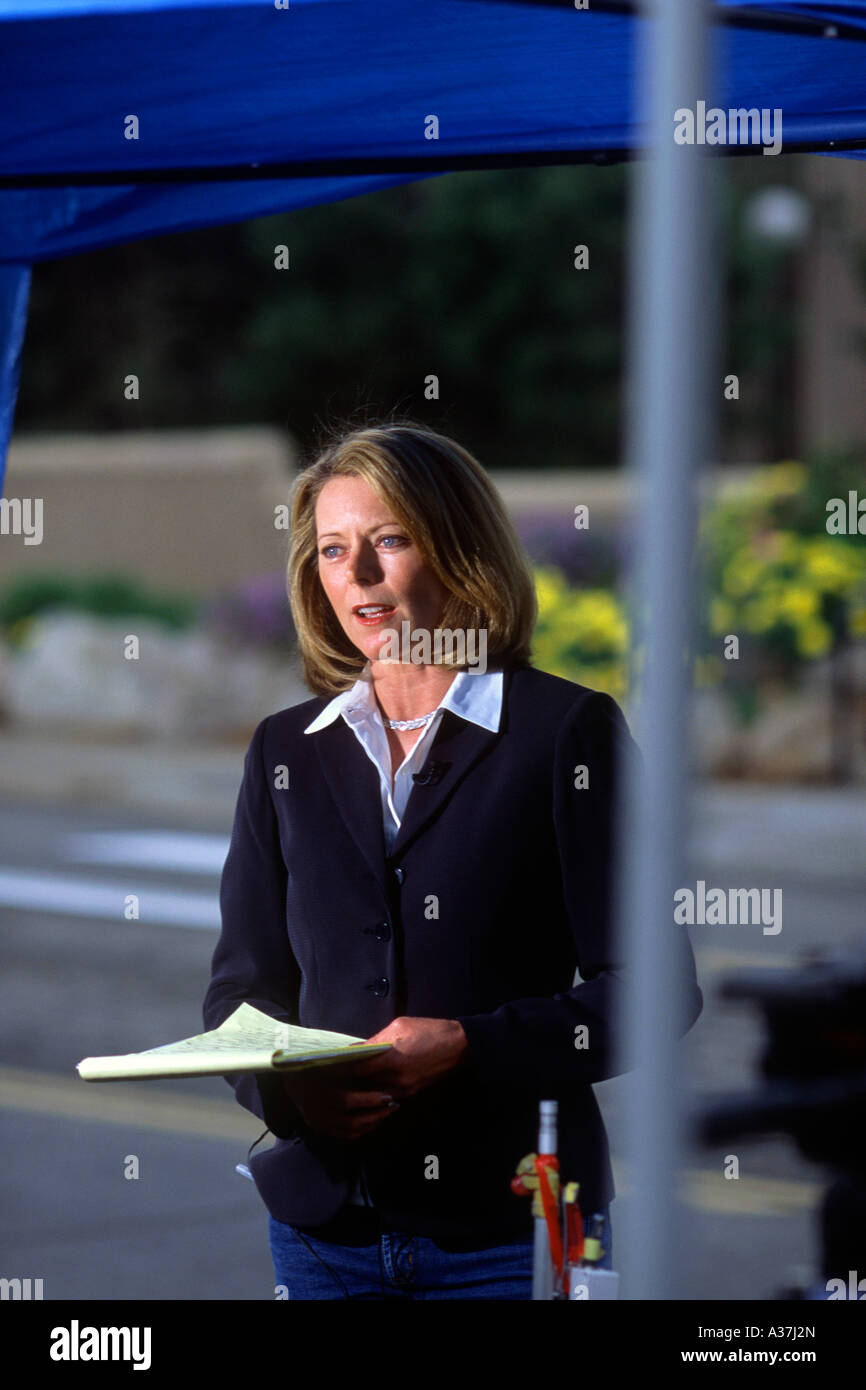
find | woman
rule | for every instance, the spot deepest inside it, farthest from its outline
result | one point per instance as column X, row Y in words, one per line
column 421, row 856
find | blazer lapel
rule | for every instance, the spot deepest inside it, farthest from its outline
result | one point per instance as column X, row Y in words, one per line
column 456, row 748
column 354, row 784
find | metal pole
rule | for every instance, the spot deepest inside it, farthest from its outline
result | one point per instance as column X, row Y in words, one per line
column 671, row 322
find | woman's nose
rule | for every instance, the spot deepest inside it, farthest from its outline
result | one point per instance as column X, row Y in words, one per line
column 363, row 563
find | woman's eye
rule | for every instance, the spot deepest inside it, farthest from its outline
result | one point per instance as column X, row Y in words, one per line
column 326, row 550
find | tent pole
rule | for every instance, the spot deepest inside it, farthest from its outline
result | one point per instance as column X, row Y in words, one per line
column 670, row 333
column 14, row 296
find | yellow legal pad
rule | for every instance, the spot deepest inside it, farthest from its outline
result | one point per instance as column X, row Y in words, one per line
column 248, row 1040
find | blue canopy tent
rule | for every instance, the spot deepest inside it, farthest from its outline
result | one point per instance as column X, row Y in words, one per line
column 123, row 119
column 244, row 108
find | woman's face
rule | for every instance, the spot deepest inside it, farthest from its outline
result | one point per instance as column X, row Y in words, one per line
column 367, row 560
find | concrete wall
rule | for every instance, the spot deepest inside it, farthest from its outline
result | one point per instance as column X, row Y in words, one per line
column 180, row 510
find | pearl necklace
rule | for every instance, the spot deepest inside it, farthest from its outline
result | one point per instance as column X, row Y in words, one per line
column 409, row 723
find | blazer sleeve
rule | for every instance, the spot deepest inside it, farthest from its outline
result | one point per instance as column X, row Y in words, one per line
column 253, row 961
column 534, row 1041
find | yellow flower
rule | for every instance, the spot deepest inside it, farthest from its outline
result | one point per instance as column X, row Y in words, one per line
column 760, row 613
column 814, row 638
column 550, row 588
column 593, row 621
column 832, row 564
column 581, row 634
column 797, row 603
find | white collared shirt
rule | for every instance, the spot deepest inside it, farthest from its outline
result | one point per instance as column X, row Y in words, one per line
column 477, row 698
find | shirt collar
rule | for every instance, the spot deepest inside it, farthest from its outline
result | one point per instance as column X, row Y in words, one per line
column 476, row 698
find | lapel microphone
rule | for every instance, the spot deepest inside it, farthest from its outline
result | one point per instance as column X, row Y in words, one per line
column 432, row 773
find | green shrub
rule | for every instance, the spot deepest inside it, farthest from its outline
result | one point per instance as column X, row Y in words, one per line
column 773, row 574
column 104, row 596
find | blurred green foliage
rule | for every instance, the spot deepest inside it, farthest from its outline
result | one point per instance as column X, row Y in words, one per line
column 581, row 634
column 469, row 277
column 772, row 569
column 104, row 596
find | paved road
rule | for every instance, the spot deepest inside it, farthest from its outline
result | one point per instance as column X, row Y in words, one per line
column 78, row 980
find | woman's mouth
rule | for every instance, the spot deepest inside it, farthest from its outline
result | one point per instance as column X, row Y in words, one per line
column 371, row 614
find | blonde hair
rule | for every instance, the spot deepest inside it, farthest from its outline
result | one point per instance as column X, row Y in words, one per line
column 448, row 505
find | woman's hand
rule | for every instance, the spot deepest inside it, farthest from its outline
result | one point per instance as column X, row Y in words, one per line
column 422, row 1050
column 350, row 1100
column 333, row 1102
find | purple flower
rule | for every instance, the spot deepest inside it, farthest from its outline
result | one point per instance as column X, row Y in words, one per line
column 587, row 558
column 254, row 613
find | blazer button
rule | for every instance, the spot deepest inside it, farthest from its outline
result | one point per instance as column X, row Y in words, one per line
column 399, row 873
column 381, row 986
column 381, row 931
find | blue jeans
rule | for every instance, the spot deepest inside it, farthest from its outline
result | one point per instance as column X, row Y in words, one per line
column 398, row 1265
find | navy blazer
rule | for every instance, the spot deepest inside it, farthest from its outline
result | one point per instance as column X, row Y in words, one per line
column 498, row 885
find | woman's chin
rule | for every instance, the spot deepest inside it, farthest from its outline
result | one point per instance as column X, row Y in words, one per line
column 379, row 647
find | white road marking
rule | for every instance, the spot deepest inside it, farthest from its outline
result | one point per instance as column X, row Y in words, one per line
column 181, row 851
column 38, row 891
